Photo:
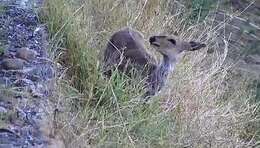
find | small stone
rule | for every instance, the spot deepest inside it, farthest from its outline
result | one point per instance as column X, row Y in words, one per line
column 3, row 110
column 12, row 64
column 41, row 72
column 26, row 54
column 23, row 82
column 37, row 95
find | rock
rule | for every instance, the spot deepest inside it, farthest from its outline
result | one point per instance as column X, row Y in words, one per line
column 12, row 64
column 41, row 72
column 26, row 54
column 23, row 82
column 3, row 110
column 36, row 94
column 8, row 138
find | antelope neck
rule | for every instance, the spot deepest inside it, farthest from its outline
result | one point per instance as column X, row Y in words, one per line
column 167, row 64
column 163, row 70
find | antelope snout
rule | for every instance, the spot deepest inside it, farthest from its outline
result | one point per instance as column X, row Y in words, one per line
column 153, row 41
column 196, row 45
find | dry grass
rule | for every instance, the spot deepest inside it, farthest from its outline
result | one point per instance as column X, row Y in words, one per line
column 196, row 108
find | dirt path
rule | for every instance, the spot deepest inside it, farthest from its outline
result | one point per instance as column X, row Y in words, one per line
column 26, row 75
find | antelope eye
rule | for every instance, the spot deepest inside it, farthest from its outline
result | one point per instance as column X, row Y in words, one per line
column 172, row 41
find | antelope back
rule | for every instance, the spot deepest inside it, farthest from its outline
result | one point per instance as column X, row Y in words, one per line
column 126, row 50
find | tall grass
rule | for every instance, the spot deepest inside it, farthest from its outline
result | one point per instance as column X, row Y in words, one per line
column 195, row 109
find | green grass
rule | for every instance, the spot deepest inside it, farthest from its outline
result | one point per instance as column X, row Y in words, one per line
column 1, row 50
column 102, row 112
column 2, row 9
column 199, row 9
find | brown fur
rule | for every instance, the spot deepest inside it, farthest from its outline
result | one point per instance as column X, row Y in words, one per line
column 124, row 45
column 126, row 50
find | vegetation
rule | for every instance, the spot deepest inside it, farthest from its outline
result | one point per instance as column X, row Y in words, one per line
column 2, row 9
column 205, row 104
column 199, row 9
column 1, row 50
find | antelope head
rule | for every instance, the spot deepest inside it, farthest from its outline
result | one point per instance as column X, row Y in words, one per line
column 171, row 46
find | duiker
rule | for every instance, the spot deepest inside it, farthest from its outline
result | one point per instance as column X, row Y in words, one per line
column 126, row 50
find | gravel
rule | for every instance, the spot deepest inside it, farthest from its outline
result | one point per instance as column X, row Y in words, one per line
column 27, row 72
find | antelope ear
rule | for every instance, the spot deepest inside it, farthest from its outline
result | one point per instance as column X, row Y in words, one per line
column 196, row 45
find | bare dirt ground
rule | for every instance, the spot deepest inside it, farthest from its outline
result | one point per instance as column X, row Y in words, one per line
column 26, row 75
